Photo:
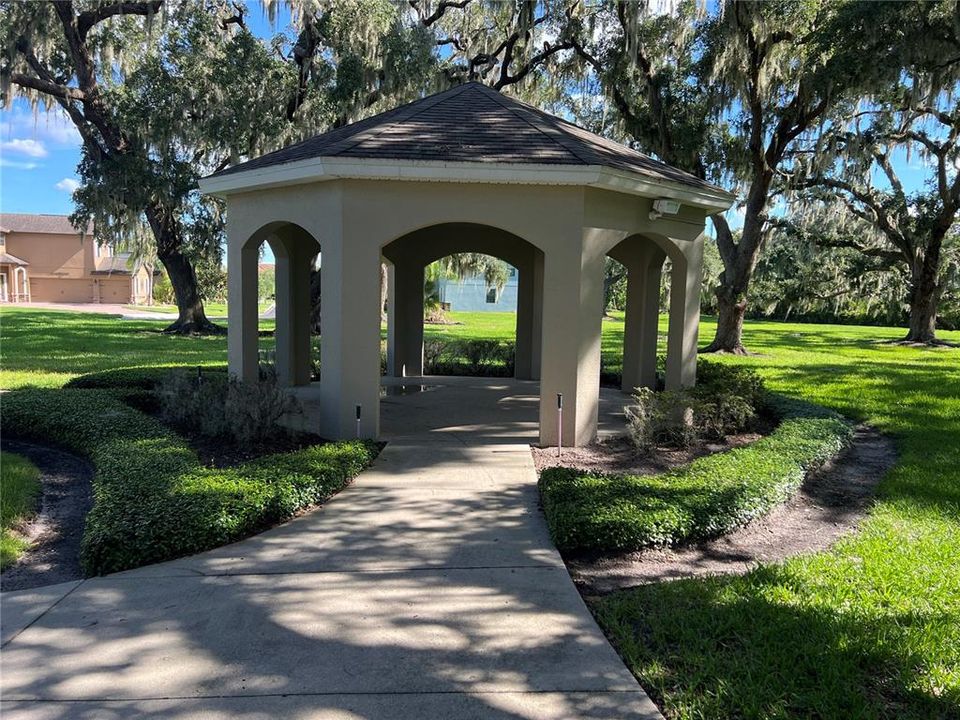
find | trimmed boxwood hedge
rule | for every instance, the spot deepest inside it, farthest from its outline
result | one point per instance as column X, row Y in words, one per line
column 711, row 496
column 136, row 378
column 153, row 500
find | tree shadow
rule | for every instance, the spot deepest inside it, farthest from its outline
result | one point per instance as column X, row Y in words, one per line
column 752, row 647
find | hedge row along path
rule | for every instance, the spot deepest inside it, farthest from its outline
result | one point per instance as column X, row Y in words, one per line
column 427, row 589
column 831, row 502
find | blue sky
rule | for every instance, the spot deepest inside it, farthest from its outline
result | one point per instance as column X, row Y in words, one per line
column 39, row 150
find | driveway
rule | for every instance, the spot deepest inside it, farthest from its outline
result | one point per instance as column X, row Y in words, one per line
column 427, row 589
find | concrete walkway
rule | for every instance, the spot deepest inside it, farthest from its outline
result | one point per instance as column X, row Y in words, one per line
column 428, row 589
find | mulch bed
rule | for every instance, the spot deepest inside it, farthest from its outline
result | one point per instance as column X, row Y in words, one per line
column 55, row 532
column 225, row 452
column 618, row 456
column 830, row 504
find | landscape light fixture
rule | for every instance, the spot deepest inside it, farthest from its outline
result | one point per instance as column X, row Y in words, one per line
column 663, row 206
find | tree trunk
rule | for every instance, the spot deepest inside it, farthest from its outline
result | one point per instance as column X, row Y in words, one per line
column 191, row 317
column 730, row 312
column 315, row 302
column 383, row 292
column 739, row 260
column 924, row 299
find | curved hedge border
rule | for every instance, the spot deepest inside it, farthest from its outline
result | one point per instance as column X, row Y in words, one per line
column 711, row 496
column 134, row 378
column 153, row 500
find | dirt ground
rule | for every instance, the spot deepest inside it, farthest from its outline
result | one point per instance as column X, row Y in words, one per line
column 56, row 531
column 831, row 503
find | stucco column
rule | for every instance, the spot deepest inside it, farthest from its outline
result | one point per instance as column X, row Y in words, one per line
column 294, row 258
column 529, row 317
column 241, row 306
column 644, row 268
column 350, row 345
column 684, row 316
column 405, row 319
column 572, row 319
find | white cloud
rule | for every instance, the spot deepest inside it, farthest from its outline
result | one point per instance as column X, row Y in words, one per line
column 48, row 127
column 68, row 185
column 17, row 164
column 24, row 146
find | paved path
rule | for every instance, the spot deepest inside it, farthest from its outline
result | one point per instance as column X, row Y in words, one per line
column 428, row 589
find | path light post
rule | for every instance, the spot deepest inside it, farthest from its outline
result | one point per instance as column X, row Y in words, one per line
column 559, row 424
column 358, row 422
column 199, row 375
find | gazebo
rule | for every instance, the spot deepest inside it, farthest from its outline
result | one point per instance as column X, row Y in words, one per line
column 467, row 169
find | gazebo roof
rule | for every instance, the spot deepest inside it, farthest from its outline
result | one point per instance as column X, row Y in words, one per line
column 470, row 126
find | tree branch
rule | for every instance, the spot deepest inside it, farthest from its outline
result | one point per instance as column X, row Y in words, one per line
column 87, row 19
column 47, row 87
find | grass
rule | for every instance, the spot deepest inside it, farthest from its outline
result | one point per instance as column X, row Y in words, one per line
column 213, row 310
column 711, row 496
column 19, row 491
column 869, row 629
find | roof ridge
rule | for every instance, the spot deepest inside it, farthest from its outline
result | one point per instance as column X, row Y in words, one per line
column 500, row 99
column 402, row 114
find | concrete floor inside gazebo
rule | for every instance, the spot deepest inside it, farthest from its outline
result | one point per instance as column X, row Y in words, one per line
column 490, row 408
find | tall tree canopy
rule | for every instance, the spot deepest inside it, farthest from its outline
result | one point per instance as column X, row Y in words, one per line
column 852, row 163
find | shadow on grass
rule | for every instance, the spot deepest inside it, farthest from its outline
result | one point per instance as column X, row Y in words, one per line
column 751, row 647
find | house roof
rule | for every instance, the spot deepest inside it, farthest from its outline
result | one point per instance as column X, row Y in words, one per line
column 112, row 265
column 473, row 123
column 8, row 259
column 43, row 224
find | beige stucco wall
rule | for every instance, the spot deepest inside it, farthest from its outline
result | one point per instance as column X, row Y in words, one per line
column 53, row 256
column 354, row 220
column 61, row 269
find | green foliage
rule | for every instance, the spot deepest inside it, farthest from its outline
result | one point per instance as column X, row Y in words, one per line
column 162, row 290
column 19, row 493
column 152, row 499
column 711, row 496
column 143, row 378
column 474, row 356
column 725, row 400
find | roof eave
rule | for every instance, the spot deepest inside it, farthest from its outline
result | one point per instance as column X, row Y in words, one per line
column 336, row 168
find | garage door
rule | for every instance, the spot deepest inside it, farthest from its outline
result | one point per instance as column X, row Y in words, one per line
column 57, row 290
column 115, row 290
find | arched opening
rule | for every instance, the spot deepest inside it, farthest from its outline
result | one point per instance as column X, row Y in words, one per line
column 653, row 267
column 409, row 256
column 275, row 326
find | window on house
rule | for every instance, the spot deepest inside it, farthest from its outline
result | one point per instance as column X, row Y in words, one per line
column 491, row 295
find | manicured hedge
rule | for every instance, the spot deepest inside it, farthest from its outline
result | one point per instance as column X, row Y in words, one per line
column 153, row 500
column 138, row 378
column 710, row 496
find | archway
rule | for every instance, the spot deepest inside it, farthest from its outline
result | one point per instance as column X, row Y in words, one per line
column 408, row 256
column 295, row 252
column 644, row 258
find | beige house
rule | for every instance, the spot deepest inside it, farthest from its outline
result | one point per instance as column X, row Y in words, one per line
column 44, row 259
column 464, row 170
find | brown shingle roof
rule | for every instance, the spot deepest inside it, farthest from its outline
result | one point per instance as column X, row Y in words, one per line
column 472, row 123
column 45, row 224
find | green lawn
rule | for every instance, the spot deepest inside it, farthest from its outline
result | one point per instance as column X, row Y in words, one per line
column 870, row 629
column 19, row 490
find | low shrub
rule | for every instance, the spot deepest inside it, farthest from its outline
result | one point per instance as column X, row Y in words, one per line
column 725, row 400
column 246, row 412
column 485, row 358
column 153, row 500
column 710, row 496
